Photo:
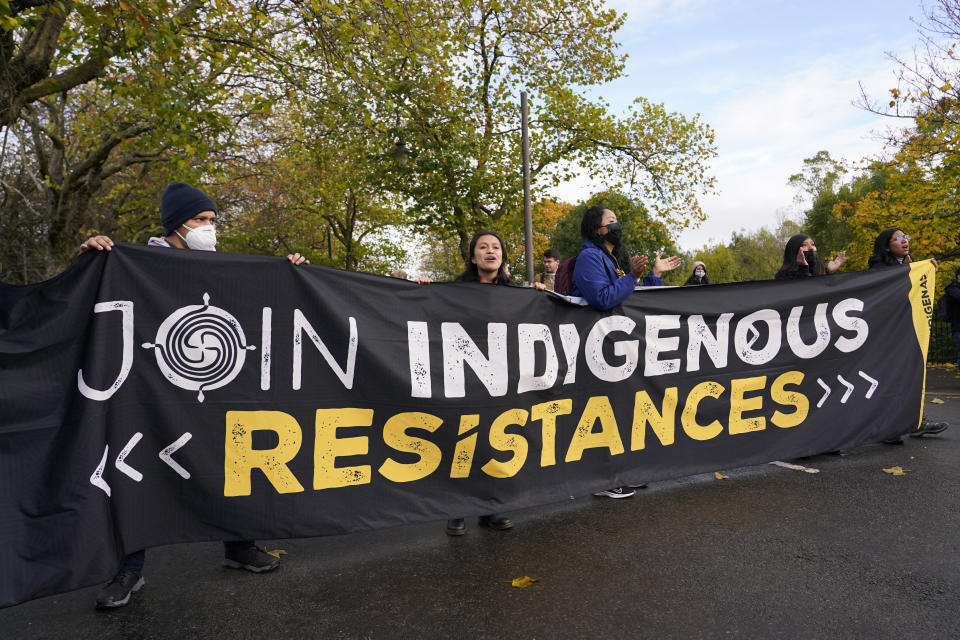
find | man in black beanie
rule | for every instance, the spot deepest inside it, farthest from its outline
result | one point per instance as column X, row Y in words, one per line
column 188, row 216
column 189, row 220
column 181, row 203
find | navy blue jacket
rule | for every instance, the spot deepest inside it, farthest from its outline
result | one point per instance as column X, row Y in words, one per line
column 595, row 278
column 953, row 305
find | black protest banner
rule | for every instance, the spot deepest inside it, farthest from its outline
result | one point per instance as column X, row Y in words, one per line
column 150, row 397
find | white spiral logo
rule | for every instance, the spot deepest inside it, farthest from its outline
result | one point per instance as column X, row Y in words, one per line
column 200, row 347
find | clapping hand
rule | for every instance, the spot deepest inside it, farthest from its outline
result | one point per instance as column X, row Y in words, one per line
column 638, row 266
column 662, row 265
column 834, row 264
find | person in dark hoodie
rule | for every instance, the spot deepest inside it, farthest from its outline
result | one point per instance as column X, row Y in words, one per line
column 891, row 249
column 953, row 310
column 188, row 216
column 600, row 275
column 699, row 275
column 801, row 260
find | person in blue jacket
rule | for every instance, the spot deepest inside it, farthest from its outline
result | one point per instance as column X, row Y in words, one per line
column 600, row 275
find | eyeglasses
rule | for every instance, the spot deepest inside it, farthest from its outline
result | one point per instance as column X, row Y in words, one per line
column 902, row 238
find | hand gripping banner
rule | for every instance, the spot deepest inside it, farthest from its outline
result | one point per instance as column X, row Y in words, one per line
column 151, row 397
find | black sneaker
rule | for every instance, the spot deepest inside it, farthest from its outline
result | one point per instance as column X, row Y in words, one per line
column 618, row 492
column 251, row 557
column 929, row 428
column 117, row 592
column 495, row 522
column 456, row 527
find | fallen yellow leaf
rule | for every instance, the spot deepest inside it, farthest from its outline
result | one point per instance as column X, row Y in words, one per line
column 276, row 553
column 936, row 401
column 897, row 471
column 720, row 476
column 523, row 582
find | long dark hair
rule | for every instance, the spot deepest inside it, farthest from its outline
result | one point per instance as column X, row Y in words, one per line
column 472, row 274
column 589, row 225
column 881, row 250
column 790, row 269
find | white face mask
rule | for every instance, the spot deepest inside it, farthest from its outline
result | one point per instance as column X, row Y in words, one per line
column 699, row 273
column 202, row 238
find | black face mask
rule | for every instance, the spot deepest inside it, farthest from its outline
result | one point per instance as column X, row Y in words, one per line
column 614, row 233
column 811, row 257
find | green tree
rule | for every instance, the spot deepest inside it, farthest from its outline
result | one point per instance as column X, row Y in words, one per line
column 409, row 110
column 48, row 47
column 440, row 258
column 441, row 80
column 821, row 184
column 819, row 174
column 101, row 127
column 755, row 255
column 919, row 190
column 317, row 190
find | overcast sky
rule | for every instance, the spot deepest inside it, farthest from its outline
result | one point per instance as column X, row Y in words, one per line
column 776, row 81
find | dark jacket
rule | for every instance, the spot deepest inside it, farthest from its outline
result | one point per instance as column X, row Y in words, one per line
column 953, row 304
column 892, row 262
column 468, row 277
column 595, row 278
column 803, row 271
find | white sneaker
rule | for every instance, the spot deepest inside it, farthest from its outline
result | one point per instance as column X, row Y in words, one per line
column 617, row 492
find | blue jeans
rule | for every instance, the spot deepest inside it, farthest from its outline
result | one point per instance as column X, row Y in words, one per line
column 956, row 339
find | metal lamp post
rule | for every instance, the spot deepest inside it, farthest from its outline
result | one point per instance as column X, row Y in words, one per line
column 527, row 209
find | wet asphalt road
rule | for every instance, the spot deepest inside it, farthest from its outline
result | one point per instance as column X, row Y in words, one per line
column 849, row 552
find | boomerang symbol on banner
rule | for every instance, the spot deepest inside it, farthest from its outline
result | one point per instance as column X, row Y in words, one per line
column 96, row 479
column 122, row 466
column 171, row 449
column 849, row 388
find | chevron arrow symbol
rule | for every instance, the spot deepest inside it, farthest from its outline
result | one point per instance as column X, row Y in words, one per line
column 122, row 466
column 168, row 451
column 97, row 478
